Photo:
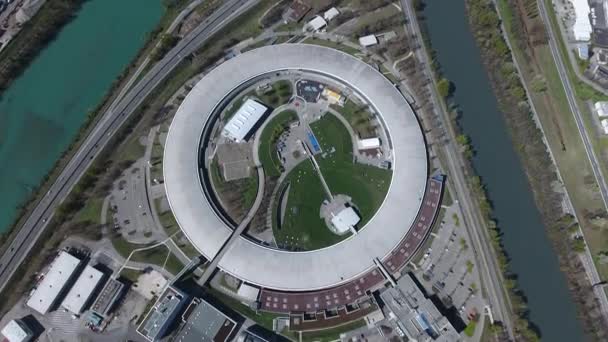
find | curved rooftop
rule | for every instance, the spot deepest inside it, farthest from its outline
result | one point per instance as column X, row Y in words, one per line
column 286, row 270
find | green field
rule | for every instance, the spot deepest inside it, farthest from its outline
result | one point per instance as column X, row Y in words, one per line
column 303, row 228
column 366, row 185
column 267, row 151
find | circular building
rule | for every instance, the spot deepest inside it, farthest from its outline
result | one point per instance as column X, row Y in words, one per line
column 383, row 235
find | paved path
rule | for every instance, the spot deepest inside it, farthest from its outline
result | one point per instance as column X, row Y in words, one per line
column 103, row 131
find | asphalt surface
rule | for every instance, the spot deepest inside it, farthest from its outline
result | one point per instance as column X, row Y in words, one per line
column 578, row 118
column 109, row 123
column 457, row 184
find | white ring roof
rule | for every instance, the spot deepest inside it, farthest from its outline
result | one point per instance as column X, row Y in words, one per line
column 284, row 270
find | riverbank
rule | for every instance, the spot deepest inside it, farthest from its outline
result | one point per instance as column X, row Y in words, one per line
column 538, row 165
column 524, row 329
column 33, row 37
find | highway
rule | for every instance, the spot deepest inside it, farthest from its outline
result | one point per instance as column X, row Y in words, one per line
column 109, row 123
column 595, row 164
column 457, row 184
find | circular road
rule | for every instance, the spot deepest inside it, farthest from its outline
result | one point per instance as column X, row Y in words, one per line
column 279, row 269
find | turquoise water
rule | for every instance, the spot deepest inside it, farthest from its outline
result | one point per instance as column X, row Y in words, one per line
column 551, row 306
column 42, row 111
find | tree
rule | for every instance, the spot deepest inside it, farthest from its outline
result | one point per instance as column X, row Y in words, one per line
column 444, row 87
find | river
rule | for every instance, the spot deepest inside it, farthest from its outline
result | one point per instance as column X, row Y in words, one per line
column 42, row 111
column 551, row 306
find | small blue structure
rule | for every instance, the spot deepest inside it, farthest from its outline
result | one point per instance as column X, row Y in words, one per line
column 314, row 142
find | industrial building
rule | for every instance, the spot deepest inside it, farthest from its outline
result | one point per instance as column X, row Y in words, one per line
column 582, row 25
column 54, row 284
column 244, row 120
column 202, row 322
column 83, row 289
column 415, row 315
column 162, row 314
column 110, row 293
column 16, row 331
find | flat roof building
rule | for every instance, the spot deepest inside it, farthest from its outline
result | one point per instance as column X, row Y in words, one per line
column 368, row 144
column 82, row 290
column 55, row 283
column 317, row 23
column 108, row 296
column 205, row 323
column 416, row 315
column 345, row 220
column 17, row 331
column 331, row 13
column 582, row 26
column 162, row 314
column 241, row 124
column 368, row 40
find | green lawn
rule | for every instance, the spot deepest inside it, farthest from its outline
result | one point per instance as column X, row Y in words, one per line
column 322, row 42
column 267, row 151
column 303, row 228
column 91, row 212
column 247, row 186
column 332, row 334
column 366, row 185
column 262, row 318
column 358, row 117
column 167, row 220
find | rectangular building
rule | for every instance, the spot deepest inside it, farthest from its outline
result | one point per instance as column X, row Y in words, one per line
column 244, row 120
column 205, row 323
column 82, row 290
column 17, row 331
column 162, row 314
column 108, row 296
column 55, row 283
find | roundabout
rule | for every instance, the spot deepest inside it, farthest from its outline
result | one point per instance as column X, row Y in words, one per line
column 386, row 190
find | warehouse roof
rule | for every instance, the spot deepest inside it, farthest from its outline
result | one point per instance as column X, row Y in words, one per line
column 205, row 323
column 82, row 289
column 241, row 124
column 56, row 279
column 582, row 26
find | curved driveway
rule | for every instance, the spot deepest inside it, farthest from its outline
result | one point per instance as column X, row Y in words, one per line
column 283, row 270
